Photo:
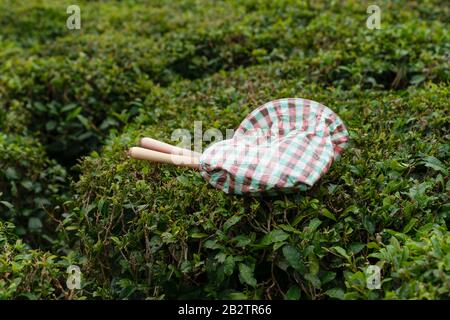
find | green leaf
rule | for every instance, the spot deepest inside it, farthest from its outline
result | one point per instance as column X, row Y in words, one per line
column 293, row 257
column 341, row 251
column 397, row 166
column 100, row 205
column 315, row 281
column 278, row 245
column 293, row 293
column 410, row 225
column 184, row 181
column 276, row 235
column 27, row 184
column 212, row 244
column 298, row 219
column 231, row 222
column 198, row 235
column 336, row 293
column 368, row 224
column 34, row 223
column 246, row 275
column 221, row 256
column 84, row 121
column 351, row 296
column 84, row 136
column 228, row 266
column 8, row 205
column 242, row 241
column 68, row 107
column 49, row 126
column 435, row 164
column 116, row 240
column 373, row 245
column 11, row 174
column 328, row 214
column 417, row 79
column 314, row 224
column 327, row 277
column 40, row 107
column 313, row 264
column 356, row 247
column 289, row 228
column 237, row 296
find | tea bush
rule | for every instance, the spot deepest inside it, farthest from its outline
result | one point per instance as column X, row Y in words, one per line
column 31, row 185
column 72, row 102
column 79, row 85
column 419, row 268
column 30, row 274
column 155, row 230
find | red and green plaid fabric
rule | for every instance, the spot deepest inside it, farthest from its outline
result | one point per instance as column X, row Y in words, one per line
column 284, row 145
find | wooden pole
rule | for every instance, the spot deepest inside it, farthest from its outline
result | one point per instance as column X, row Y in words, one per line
column 160, row 146
column 160, row 157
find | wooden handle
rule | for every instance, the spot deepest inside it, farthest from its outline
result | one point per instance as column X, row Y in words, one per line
column 156, row 145
column 160, row 157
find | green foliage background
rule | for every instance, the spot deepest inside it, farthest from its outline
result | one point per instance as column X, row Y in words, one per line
column 72, row 102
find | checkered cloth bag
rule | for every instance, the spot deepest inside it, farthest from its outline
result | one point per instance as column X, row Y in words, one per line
column 284, row 145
